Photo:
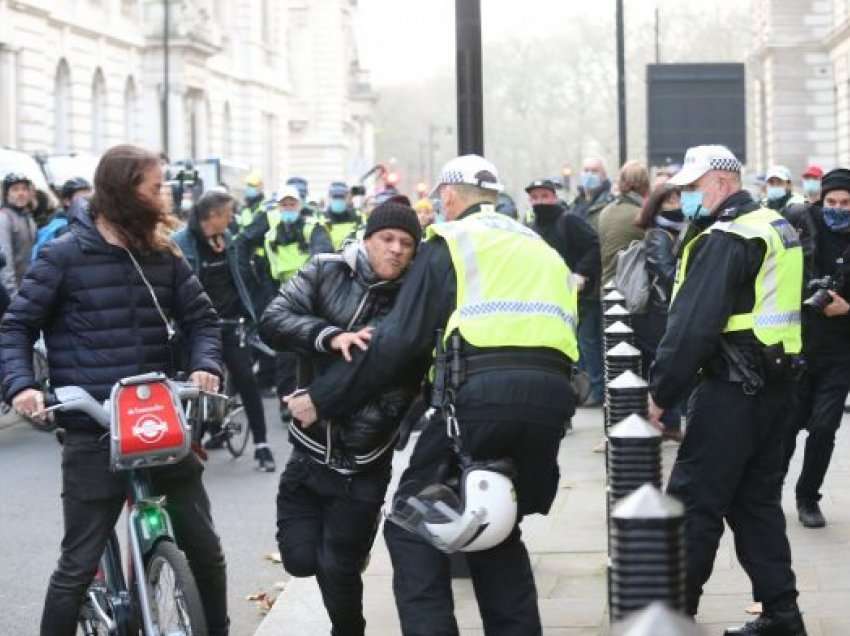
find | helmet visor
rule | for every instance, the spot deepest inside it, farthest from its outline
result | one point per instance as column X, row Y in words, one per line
column 436, row 514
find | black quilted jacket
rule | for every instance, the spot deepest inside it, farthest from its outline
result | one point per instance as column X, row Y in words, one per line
column 330, row 294
column 99, row 320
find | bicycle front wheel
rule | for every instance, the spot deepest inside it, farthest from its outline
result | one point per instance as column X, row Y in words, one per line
column 236, row 429
column 175, row 601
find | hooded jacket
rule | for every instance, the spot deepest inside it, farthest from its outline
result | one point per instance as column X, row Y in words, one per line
column 333, row 293
column 99, row 320
column 17, row 237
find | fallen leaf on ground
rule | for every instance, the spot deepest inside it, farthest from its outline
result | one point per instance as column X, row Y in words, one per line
column 274, row 557
column 280, row 585
column 754, row 609
column 262, row 600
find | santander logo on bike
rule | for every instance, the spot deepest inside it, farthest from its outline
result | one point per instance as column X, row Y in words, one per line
column 149, row 429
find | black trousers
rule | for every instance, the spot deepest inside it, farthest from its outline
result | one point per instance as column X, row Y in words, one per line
column 92, row 500
column 326, row 525
column 818, row 408
column 239, row 364
column 502, row 576
column 730, row 467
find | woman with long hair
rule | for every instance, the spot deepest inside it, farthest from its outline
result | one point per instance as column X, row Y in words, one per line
column 662, row 220
column 105, row 294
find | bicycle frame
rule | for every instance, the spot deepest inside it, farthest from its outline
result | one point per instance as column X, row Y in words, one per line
column 148, row 524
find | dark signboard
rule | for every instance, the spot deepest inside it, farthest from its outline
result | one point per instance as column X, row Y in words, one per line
column 694, row 104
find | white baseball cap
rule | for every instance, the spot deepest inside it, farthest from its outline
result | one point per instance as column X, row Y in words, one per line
column 287, row 192
column 702, row 159
column 472, row 170
column 778, row 172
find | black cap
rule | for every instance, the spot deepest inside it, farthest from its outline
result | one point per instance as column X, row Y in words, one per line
column 393, row 215
column 548, row 184
column 71, row 186
column 838, row 179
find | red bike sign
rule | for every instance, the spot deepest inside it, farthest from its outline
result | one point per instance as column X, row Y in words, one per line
column 148, row 425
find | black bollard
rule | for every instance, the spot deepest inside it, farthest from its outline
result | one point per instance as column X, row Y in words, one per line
column 656, row 619
column 620, row 358
column 626, row 394
column 617, row 333
column 647, row 552
column 634, row 457
column 614, row 314
column 613, row 297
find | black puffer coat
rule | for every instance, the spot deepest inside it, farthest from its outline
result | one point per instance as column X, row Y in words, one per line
column 99, row 320
column 334, row 293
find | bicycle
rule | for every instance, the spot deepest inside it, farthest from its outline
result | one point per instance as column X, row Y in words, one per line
column 147, row 428
column 224, row 415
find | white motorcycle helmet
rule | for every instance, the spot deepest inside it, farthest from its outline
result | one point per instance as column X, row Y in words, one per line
column 479, row 515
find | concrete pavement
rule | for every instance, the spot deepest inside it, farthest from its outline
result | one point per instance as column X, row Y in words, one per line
column 568, row 550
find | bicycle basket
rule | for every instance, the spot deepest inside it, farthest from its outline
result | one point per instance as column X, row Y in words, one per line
column 148, row 424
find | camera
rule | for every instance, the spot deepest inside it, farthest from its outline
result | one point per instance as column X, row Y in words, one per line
column 821, row 288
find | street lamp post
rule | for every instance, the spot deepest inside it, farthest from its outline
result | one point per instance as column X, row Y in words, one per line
column 166, row 34
column 470, row 100
column 621, row 82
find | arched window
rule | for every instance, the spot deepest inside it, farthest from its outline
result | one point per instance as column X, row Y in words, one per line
column 98, row 113
column 62, row 108
column 130, row 111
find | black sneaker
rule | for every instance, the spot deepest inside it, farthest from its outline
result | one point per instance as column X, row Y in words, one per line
column 809, row 514
column 786, row 622
column 265, row 460
column 215, row 440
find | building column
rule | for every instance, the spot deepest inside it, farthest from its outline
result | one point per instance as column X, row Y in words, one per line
column 8, row 97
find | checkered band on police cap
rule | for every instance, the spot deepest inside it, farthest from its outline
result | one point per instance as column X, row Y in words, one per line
column 727, row 164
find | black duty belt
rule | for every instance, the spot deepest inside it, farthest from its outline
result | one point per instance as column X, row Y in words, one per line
column 536, row 361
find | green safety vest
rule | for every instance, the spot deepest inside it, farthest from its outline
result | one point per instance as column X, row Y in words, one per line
column 341, row 231
column 245, row 217
column 775, row 317
column 285, row 260
column 513, row 290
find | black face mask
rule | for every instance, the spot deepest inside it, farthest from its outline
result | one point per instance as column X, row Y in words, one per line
column 546, row 211
column 673, row 215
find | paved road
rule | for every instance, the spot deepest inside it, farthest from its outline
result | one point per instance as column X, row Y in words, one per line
column 30, row 523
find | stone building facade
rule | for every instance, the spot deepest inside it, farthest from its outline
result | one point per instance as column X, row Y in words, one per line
column 274, row 85
column 800, row 79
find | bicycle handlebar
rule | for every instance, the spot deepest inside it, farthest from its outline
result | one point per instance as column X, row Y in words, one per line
column 74, row 398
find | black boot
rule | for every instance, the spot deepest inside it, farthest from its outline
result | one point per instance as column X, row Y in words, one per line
column 809, row 514
column 778, row 622
column 216, row 438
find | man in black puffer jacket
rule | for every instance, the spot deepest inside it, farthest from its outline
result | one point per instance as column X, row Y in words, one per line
column 102, row 294
column 333, row 487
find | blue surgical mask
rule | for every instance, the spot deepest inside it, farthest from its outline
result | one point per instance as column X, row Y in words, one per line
column 590, row 180
column 251, row 192
column 692, row 204
column 811, row 187
column 837, row 219
column 774, row 193
column 289, row 216
column 338, row 206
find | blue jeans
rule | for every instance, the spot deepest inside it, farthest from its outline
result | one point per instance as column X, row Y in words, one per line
column 590, row 345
